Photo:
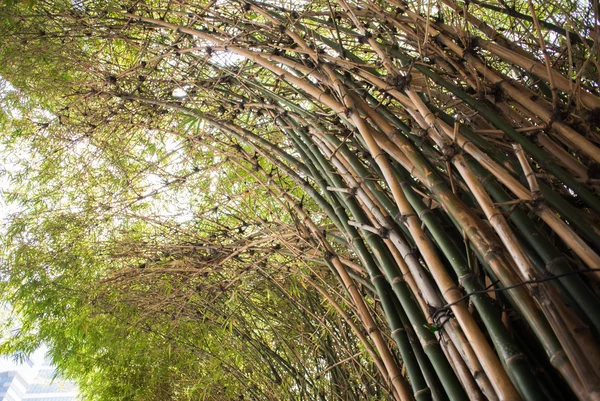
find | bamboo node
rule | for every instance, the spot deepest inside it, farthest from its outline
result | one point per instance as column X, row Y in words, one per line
column 398, row 330
column 464, row 277
column 378, row 155
column 515, row 357
column 420, row 132
column 485, row 179
column 497, row 214
column 453, row 288
column 400, row 82
column 465, row 143
column 422, row 391
column 423, row 212
column 593, row 118
column 470, row 44
column 448, row 151
column 403, row 217
column 492, row 252
column 384, row 232
column 537, row 202
column 497, row 91
column 558, row 116
column 550, row 265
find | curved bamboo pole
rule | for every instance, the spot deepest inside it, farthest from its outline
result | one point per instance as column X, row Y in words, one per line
column 490, row 363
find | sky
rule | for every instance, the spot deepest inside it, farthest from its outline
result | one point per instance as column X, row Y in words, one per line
column 27, row 370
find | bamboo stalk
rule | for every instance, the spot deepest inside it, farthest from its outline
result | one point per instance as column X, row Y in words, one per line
column 529, row 175
column 418, row 386
column 555, row 262
column 425, row 337
column 490, row 363
column 396, row 378
column 585, row 372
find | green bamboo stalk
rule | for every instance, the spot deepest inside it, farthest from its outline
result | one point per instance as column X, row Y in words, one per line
column 538, row 154
column 511, row 356
column 419, row 386
column 553, row 259
column 556, row 201
column 424, row 363
column 421, row 389
column 415, row 374
column 401, row 290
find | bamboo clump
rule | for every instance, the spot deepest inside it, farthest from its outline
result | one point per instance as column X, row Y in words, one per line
column 453, row 164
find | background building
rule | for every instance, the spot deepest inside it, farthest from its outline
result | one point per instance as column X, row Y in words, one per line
column 34, row 380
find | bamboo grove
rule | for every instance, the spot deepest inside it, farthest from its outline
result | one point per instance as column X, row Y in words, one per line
column 399, row 199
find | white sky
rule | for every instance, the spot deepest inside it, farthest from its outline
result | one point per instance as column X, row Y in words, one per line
column 26, row 370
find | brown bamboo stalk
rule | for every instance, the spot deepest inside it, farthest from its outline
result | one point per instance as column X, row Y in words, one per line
column 580, row 247
column 397, row 380
column 529, row 174
column 583, row 364
column 462, row 372
column 587, row 99
column 524, row 97
column 411, row 268
column 562, row 156
column 490, row 363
